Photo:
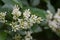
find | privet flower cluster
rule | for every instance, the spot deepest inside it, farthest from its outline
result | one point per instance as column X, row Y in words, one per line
column 2, row 17
column 16, row 13
column 20, row 21
column 54, row 20
column 23, row 20
column 26, row 37
column 26, row 21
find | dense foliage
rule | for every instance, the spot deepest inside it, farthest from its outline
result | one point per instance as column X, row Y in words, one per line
column 37, row 19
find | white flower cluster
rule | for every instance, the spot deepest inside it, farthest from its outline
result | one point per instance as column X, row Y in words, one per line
column 16, row 13
column 49, row 15
column 55, row 23
column 57, row 16
column 28, row 36
column 2, row 17
column 17, row 37
column 26, row 21
column 26, row 13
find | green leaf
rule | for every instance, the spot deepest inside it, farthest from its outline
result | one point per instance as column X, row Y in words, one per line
column 18, row 2
column 50, row 7
column 34, row 2
column 3, row 35
column 9, row 4
column 39, row 12
column 1, row 25
column 22, row 32
column 36, row 29
column 8, row 1
column 58, row 33
column 25, row 2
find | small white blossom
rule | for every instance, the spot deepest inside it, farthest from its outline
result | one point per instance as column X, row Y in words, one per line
column 15, row 26
column 26, row 13
column 16, row 12
column 14, row 17
column 57, row 16
column 23, row 24
column 2, row 17
column 28, row 36
column 39, row 19
column 55, row 23
column 17, row 37
column 20, row 20
column 33, row 18
column 49, row 15
column 26, row 25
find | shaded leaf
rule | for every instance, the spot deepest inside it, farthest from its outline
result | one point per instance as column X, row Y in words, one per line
column 8, row 1
column 36, row 29
column 50, row 7
column 34, row 2
column 25, row 2
column 9, row 4
column 3, row 35
column 1, row 25
column 22, row 32
column 39, row 12
column 18, row 2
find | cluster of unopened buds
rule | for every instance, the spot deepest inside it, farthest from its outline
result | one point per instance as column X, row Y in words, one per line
column 2, row 17
column 54, row 20
column 23, row 20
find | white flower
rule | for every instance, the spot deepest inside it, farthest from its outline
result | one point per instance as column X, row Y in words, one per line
column 3, row 14
column 58, row 11
column 20, row 21
column 49, row 15
column 26, row 13
column 28, row 36
column 53, row 24
column 2, row 17
column 26, row 25
column 14, row 17
column 39, row 19
column 16, row 11
column 57, row 16
column 23, row 24
column 17, row 37
column 30, row 24
column 33, row 18
column 15, row 26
